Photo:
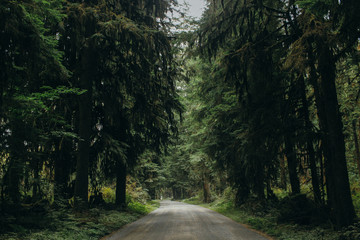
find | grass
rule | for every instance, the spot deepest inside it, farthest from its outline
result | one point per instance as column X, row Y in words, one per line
column 266, row 222
column 65, row 224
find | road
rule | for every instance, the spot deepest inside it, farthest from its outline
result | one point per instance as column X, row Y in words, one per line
column 180, row 221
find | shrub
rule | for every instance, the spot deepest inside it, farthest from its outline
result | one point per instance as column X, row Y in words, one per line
column 108, row 194
column 137, row 207
column 299, row 209
column 352, row 232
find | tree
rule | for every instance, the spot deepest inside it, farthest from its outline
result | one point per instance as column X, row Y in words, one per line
column 31, row 72
column 322, row 63
column 296, row 45
column 122, row 58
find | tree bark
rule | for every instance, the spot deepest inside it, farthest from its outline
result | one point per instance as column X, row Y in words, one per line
column 259, row 181
column 2, row 87
column 314, row 174
column 283, row 183
column 62, row 171
column 120, row 198
column 242, row 189
column 356, row 142
column 85, row 105
column 292, row 165
column 14, row 175
column 309, row 144
column 35, row 184
column 206, row 189
column 17, row 161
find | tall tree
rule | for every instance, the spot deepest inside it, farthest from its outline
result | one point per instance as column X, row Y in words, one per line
column 30, row 66
column 318, row 39
column 120, row 54
column 310, row 37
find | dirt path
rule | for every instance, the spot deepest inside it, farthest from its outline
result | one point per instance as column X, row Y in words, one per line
column 180, row 221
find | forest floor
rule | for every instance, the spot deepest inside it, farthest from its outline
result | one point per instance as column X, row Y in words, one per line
column 65, row 224
column 266, row 220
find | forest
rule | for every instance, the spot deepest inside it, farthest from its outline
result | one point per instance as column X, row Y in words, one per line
column 106, row 105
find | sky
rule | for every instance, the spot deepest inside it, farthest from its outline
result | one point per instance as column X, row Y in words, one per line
column 196, row 7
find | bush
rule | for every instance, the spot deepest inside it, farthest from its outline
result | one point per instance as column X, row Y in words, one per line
column 65, row 224
column 137, row 207
column 135, row 190
column 299, row 209
column 108, row 194
column 352, row 232
column 229, row 194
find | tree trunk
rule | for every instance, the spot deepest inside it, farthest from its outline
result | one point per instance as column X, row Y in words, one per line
column 206, row 189
column 152, row 193
column 269, row 192
column 17, row 161
column 120, row 199
column 356, row 142
column 314, row 174
column 322, row 173
column 334, row 145
column 14, row 175
column 292, row 165
column 242, row 194
column 309, row 144
column 283, row 184
column 85, row 105
column 2, row 87
column 259, row 181
column 35, row 185
column 62, row 171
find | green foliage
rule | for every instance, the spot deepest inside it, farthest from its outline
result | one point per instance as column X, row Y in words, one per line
column 351, row 232
column 300, row 210
column 264, row 220
column 137, row 207
column 53, row 50
column 319, row 7
column 108, row 194
column 258, row 105
column 252, row 98
column 64, row 224
column 356, row 197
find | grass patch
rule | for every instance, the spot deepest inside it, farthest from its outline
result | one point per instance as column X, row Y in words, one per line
column 65, row 224
column 152, row 205
column 140, row 208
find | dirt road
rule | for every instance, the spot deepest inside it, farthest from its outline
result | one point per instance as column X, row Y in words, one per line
column 180, row 221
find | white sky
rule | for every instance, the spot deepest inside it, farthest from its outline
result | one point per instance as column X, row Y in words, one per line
column 196, row 7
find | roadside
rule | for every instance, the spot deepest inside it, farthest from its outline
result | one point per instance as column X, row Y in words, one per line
column 177, row 220
column 265, row 220
column 65, row 224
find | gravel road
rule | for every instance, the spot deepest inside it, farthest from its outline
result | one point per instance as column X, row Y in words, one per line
column 180, row 221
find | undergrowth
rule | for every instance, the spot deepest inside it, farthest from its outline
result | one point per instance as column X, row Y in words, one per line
column 65, row 224
column 266, row 219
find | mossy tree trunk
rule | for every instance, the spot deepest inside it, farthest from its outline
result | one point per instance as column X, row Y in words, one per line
column 334, row 146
